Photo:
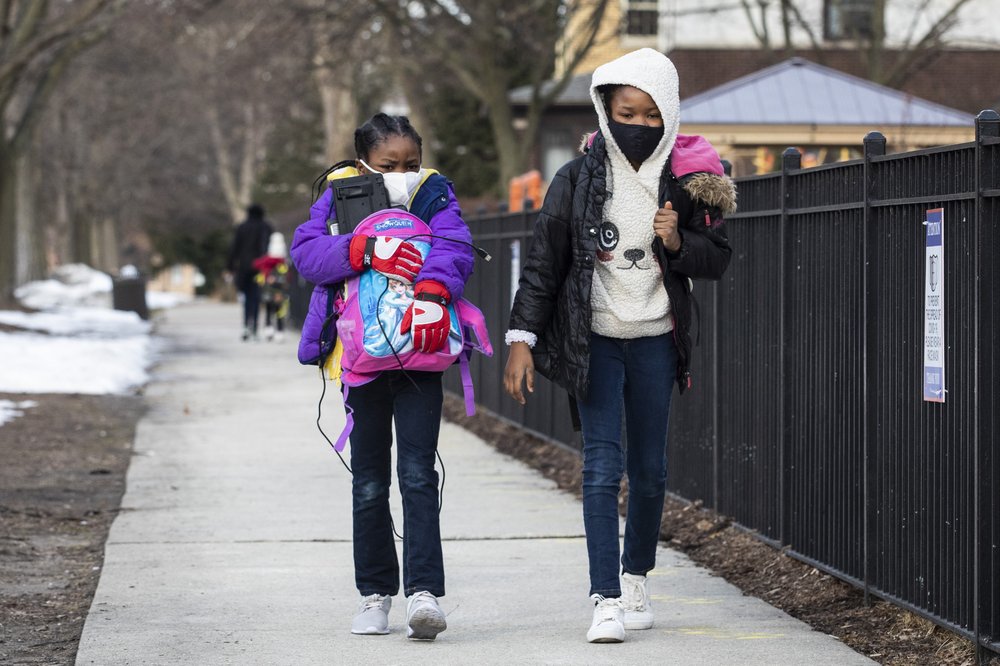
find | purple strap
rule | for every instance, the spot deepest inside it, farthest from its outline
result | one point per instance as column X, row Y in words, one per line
column 348, row 427
column 467, row 388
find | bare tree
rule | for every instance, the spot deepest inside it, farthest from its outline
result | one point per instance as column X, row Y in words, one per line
column 231, row 60
column 887, row 61
column 139, row 144
column 337, row 32
column 491, row 46
column 893, row 66
column 37, row 44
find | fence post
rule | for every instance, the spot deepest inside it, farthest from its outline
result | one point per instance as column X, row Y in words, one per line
column 716, row 286
column 791, row 160
column 987, row 127
column 874, row 146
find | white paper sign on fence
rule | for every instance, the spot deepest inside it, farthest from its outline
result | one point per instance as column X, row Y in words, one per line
column 934, row 390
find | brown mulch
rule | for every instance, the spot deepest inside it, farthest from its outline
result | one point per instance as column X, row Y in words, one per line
column 61, row 483
column 883, row 632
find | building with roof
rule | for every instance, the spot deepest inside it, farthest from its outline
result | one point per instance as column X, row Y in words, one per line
column 772, row 27
column 752, row 119
column 823, row 112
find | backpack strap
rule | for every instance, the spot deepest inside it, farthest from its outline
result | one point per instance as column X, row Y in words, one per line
column 348, row 426
column 467, row 388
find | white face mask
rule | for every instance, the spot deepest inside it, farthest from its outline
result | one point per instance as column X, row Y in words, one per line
column 399, row 186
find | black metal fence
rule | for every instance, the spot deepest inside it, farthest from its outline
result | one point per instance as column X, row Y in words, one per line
column 807, row 422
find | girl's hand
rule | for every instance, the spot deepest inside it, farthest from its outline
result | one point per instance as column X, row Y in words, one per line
column 665, row 227
column 392, row 257
column 520, row 366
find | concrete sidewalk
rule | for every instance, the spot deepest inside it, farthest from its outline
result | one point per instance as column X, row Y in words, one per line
column 234, row 541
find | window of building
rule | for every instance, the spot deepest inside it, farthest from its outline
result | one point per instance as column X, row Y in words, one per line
column 848, row 19
column 642, row 19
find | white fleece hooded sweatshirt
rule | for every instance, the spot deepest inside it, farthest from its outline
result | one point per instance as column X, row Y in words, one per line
column 628, row 299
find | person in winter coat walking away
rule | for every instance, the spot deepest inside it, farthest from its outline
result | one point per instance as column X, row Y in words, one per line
column 413, row 400
column 272, row 276
column 249, row 243
column 604, row 307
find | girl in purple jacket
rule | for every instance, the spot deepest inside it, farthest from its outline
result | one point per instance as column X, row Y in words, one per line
column 389, row 145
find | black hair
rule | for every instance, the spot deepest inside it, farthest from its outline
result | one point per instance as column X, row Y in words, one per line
column 255, row 211
column 379, row 128
column 607, row 91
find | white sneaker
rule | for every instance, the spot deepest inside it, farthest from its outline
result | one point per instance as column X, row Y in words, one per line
column 269, row 333
column 373, row 615
column 424, row 617
column 635, row 599
column 609, row 621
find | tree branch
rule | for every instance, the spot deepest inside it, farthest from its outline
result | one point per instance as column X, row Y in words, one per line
column 593, row 29
column 927, row 48
column 24, row 46
column 28, row 19
column 225, row 165
column 6, row 9
column 48, row 82
column 760, row 35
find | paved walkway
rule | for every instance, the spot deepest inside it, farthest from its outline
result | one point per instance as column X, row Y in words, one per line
column 233, row 544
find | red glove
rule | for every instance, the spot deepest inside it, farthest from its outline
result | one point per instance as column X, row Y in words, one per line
column 392, row 257
column 428, row 315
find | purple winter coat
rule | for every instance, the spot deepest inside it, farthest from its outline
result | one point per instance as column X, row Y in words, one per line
column 324, row 260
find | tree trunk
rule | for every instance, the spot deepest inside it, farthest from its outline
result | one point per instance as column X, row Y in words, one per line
column 512, row 146
column 340, row 113
column 8, row 228
column 416, row 99
column 30, row 242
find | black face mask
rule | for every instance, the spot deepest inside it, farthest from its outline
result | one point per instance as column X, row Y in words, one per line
column 637, row 142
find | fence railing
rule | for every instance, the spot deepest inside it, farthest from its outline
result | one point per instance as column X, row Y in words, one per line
column 807, row 422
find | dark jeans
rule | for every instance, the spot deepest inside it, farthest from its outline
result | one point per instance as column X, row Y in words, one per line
column 637, row 375
column 251, row 301
column 417, row 413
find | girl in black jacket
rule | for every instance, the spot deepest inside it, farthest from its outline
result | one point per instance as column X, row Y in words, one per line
column 603, row 309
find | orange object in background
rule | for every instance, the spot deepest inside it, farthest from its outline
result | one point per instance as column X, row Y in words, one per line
column 524, row 188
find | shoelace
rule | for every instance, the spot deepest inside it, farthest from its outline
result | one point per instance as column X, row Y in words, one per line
column 608, row 609
column 634, row 594
column 423, row 596
column 371, row 601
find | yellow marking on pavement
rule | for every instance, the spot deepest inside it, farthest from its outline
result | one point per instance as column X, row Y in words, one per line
column 690, row 601
column 725, row 634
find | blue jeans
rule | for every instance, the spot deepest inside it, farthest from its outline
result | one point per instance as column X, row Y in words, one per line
column 251, row 301
column 416, row 408
column 637, row 375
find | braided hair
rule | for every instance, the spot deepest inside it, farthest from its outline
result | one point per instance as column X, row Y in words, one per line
column 607, row 93
column 380, row 127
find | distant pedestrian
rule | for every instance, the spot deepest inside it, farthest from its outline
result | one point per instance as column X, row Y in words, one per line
column 272, row 276
column 249, row 243
column 410, row 400
column 604, row 308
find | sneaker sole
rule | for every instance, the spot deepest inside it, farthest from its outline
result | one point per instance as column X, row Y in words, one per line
column 370, row 631
column 606, row 639
column 425, row 625
column 638, row 625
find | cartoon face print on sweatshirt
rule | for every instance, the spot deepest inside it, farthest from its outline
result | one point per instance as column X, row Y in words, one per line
column 607, row 241
column 624, row 258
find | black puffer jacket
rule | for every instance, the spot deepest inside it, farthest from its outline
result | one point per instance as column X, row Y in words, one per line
column 553, row 298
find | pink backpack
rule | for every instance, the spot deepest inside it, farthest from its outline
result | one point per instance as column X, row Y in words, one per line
column 371, row 310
